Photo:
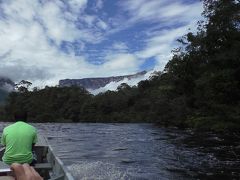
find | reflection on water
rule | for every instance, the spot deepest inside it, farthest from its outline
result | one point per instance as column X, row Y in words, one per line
column 142, row 151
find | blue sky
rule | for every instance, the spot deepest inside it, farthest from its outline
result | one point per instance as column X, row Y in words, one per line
column 44, row 41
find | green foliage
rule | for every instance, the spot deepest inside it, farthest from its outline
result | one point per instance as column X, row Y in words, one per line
column 48, row 105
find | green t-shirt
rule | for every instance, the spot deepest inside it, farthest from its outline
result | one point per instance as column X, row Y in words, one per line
column 18, row 139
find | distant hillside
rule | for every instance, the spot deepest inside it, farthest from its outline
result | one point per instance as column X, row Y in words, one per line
column 3, row 95
column 95, row 83
column 6, row 86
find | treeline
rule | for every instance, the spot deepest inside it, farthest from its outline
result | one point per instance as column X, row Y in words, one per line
column 199, row 87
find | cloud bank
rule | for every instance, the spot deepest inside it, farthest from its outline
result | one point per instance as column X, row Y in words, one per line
column 44, row 41
column 112, row 86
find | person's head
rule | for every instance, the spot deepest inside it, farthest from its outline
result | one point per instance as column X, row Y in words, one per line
column 20, row 116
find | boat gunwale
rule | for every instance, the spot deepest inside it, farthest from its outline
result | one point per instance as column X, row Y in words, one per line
column 66, row 172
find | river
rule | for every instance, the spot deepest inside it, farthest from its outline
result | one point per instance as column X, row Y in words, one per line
column 142, row 151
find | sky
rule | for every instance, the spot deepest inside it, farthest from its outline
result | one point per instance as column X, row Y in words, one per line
column 43, row 41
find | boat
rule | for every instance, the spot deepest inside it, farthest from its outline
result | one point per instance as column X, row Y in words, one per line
column 48, row 165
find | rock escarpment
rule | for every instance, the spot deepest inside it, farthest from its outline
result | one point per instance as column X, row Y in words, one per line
column 95, row 83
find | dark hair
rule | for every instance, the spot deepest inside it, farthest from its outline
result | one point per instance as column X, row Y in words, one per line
column 20, row 116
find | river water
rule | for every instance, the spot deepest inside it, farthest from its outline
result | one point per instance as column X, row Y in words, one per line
column 142, row 151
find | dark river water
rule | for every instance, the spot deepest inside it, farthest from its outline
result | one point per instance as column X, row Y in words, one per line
column 142, row 151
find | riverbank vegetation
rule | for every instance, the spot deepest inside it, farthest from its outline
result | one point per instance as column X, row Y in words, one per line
column 199, row 87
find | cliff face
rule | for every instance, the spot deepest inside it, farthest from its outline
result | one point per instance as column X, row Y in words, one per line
column 95, row 83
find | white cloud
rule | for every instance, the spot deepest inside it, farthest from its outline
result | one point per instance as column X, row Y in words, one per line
column 114, row 85
column 121, row 63
column 101, row 24
column 32, row 32
column 161, row 44
column 57, row 28
column 99, row 4
column 120, row 46
column 161, row 10
column 77, row 5
column 27, row 50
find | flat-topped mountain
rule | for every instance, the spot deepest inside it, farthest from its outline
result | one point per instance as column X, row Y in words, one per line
column 95, row 83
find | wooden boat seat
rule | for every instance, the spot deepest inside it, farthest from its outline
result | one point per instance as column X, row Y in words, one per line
column 45, row 166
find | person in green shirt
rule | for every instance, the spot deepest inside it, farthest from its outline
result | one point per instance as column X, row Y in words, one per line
column 19, row 139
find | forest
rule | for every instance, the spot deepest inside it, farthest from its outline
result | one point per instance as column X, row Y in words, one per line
column 199, row 87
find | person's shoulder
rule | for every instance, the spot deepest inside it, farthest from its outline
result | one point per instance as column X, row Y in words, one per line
column 27, row 125
column 32, row 127
column 8, row 127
